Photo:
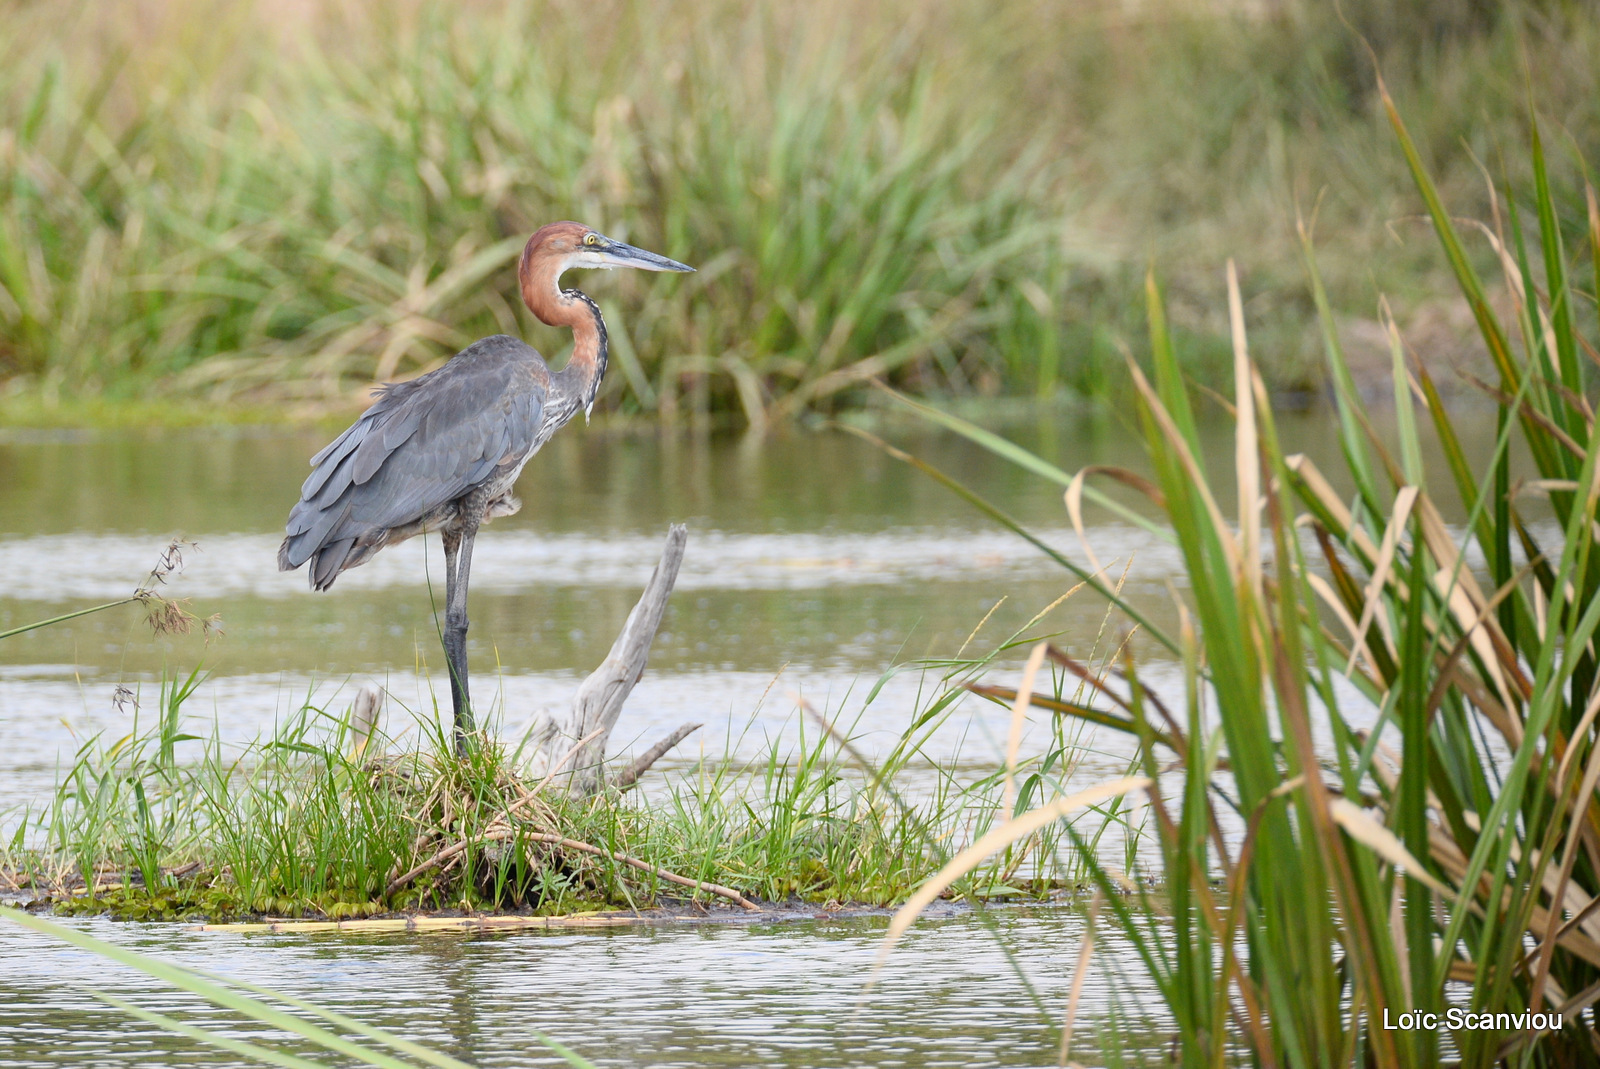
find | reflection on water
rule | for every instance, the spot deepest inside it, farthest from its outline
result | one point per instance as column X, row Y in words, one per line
column 788, row 994
column 523, row 561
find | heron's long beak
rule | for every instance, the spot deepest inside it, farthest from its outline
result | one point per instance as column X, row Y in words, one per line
column 618, row 254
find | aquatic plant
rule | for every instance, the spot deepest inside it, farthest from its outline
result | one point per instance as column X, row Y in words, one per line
column 1446, row 855
column 164, row 615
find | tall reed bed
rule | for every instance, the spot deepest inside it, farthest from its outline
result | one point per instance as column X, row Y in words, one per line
column 294, row 218
column 1444, row 856
column 279, row 203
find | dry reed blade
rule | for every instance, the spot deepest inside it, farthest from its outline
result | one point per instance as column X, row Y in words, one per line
column 1019, row 713
column 1007, row 833
column 1247, row 449
column 1383, row 566
column 1380, row 840
column 1080, row 973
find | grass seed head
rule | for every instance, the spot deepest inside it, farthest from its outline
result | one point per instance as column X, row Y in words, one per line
column 169, row 562
column 167, row 616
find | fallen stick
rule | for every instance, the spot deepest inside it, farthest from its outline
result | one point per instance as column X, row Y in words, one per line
column 435, row 924
column 496, row 834
column 644, row 866
column 631, row 774
column 492, row 835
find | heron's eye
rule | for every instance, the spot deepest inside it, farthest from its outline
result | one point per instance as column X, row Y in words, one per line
column 591, row 239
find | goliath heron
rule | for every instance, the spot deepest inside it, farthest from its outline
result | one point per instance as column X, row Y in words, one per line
column 442, row 451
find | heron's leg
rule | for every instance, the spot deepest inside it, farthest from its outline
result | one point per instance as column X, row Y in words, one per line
column 454, row 663
column 455, row 617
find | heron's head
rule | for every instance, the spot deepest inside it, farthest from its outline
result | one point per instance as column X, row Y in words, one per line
column 562, row 246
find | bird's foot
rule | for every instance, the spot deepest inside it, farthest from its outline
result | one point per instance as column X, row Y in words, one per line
column 504, row 505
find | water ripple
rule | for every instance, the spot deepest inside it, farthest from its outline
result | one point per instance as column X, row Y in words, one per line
column 105, row 566
column 784, row 995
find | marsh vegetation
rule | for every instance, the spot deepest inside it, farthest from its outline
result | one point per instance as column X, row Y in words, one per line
column 313, row 822
column 260, row 204
column 1324, row 873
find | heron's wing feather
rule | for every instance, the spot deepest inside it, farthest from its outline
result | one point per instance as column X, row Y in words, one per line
column 453, row 448
column 386, row 437
column 389, row 418
column 424, row 444
column 325, row 463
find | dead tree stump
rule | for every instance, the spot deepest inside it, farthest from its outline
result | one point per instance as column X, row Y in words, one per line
column 570, row 749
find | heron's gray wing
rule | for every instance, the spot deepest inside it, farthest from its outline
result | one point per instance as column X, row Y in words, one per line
column 455, row 445
column 424, row 444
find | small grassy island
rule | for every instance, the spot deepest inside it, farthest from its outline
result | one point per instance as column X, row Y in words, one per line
column 310, row 824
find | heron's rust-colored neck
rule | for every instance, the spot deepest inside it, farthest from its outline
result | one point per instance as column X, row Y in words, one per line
column 540, row 278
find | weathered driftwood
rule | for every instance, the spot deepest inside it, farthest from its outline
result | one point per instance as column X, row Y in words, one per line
column 574, row 745
column 425, row 923
column 364, row 718
column 631, row 774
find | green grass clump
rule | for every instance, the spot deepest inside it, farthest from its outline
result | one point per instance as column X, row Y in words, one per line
column 163, row 824
column 234, row 203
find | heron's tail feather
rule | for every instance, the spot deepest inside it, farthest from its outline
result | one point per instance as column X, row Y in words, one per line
column 331, row 559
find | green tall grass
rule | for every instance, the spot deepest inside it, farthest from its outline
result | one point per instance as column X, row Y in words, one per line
column 1447, row 856
column 246, row 203
column 298, row 220
column 311, row 820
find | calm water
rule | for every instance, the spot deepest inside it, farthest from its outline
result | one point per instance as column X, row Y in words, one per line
column 780, row 995
column 814, row 563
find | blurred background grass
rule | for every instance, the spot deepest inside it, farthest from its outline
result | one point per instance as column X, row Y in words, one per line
column 270, row 206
